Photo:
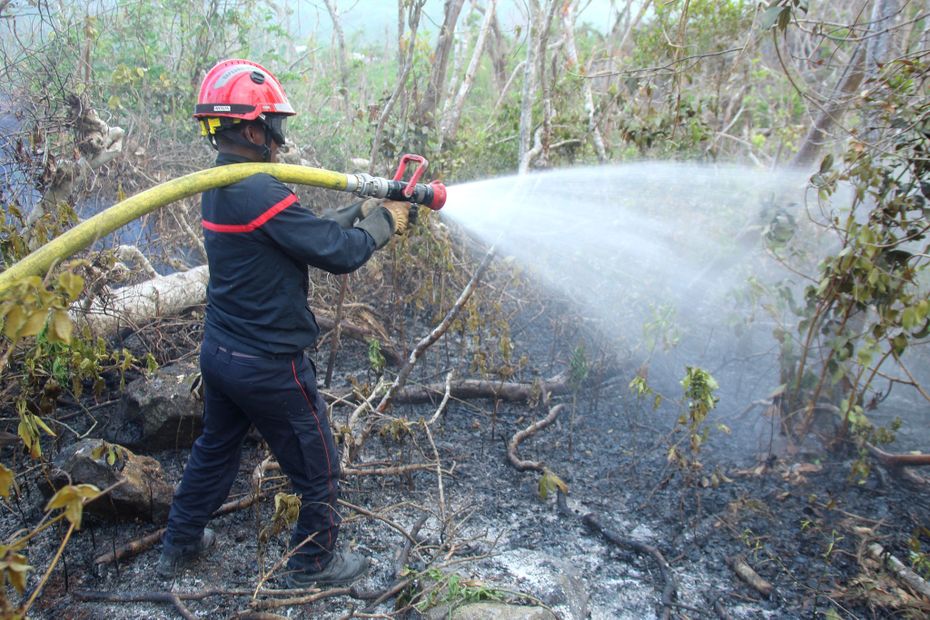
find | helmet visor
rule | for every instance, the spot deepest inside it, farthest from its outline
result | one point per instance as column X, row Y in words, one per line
column 276, row 124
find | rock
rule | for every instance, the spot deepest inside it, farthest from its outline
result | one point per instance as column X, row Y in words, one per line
column 491, row 611
column 141, row 494
column 553, row 580
column 158, row 412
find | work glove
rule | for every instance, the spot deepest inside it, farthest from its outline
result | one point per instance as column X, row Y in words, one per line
column 346, row 216
column 379, row 224
column 399, row 210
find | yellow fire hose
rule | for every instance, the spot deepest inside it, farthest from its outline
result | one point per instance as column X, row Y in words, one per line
column 120, row 214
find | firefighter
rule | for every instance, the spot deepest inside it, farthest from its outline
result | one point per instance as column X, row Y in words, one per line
column 260, row 242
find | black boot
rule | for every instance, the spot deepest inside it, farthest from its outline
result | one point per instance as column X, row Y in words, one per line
column 175, row 558
column 344, row 568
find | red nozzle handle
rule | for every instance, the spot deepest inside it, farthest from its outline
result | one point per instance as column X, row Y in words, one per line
column 402, row 168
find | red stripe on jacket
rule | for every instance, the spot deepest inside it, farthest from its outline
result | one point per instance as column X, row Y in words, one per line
column 254, row 224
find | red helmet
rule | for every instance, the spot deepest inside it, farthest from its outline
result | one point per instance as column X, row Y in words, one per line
column 241, row 90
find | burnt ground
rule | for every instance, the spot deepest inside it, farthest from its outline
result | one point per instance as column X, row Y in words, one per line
column 799, row 521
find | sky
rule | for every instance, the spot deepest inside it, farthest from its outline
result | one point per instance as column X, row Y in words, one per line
column 374, row 19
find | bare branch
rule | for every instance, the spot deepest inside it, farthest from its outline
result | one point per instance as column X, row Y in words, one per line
column 451, row 124
column 571, row 52
column 900, row 570
column 445, row 398
column 414, row 22
column 529, row 431
column 437, row 332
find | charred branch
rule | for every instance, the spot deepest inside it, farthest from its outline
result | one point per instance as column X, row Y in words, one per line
column 529, row 431
column 894, row 461
column 436, row 333
column 593, row 523
column 746, row 572
column 148, row 541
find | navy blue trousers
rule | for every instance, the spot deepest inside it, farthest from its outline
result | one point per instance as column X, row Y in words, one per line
column 280, row 398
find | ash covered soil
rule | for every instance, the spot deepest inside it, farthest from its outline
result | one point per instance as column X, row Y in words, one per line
column 799, row 521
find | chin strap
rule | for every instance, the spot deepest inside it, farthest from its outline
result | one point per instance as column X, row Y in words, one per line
column 263, row 150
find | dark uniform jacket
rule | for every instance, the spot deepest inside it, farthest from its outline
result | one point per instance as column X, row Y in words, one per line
column 259, row 242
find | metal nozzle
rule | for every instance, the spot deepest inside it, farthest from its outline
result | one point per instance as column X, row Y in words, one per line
column 432, row 195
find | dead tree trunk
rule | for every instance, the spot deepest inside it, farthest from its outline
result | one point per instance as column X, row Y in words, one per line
column 414, row 23
column 863, row 64
column 831, row 112
column 541, row 22
column 459, row 51
column 571, row 51
column 546, row 83
column 165, row 296
column 878, row 50
column 925, row 37
column 882, row 36
column 529, row 86
column 497, row 50
column 432, row 99
column 341, row 52
column 97, row 143
column 400, row 36
column 633, row 23
column 451, row 124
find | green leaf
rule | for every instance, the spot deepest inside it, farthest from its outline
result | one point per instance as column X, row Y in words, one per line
column 41, row 424
column 550, row 482
column 72, row 499
column 14, row 567
column 826, row 164
column 6, row 480
column 72, row 284
column 784, row 19
column 34, row 323
column 15, row 319
column 899, row 343
column 60, row 327
column 772, row 15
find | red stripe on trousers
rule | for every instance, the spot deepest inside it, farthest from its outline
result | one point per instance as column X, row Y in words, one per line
column 329, row 469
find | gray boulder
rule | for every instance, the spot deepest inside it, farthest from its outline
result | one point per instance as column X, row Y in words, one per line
column 158, row 412
column 142, row 492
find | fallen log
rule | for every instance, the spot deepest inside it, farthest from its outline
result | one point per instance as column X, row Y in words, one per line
column 138, row 304
column 904, row 574
column 164, row 296
column 469, row 389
